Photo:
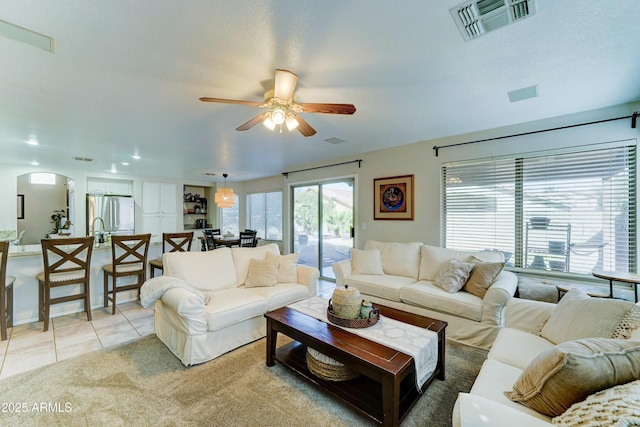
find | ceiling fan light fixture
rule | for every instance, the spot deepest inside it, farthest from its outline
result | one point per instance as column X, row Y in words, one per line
column 278, row 116
column 291, row 122
column 268, row 123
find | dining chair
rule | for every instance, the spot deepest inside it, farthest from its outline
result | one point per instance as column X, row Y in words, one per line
column 67, row 261
column 174, row 242
column 128, row 259
column 210, row 235
column 6, row 292
column 248, row 239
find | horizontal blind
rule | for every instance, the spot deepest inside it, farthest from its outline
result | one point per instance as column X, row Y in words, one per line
column 564, row 212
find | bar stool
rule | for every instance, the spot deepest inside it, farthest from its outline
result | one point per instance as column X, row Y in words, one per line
column 67, row 261
column 6, row 292
column 179, row 242
column 128, row 258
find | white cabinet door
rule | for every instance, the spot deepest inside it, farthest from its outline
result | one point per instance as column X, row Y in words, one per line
column 106, row 186
column 159, row 208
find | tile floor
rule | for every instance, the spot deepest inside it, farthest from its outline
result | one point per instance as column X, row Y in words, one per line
column 28, row 347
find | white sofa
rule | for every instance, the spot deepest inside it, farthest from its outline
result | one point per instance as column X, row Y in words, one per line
column 519, row 344
column 234, row 314
column 407, row 279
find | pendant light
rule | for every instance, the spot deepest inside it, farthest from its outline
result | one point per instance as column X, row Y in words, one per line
column 225, row 197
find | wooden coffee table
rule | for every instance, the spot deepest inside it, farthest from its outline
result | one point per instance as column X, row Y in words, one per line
column 386, row 389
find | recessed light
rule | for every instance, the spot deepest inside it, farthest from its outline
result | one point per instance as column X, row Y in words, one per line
column 135, row 156
column 124, row 163
column 34, row 163
column 33, row 141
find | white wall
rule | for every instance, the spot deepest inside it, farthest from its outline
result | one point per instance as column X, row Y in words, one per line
column 419, row 159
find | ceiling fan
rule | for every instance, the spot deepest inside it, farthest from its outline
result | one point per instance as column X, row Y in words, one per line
column 282, row 108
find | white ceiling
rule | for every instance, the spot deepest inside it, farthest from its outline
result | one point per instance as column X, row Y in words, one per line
column 126, row 77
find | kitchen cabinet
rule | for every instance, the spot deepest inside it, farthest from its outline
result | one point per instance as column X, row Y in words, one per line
column 109, row 186
column 159, row 209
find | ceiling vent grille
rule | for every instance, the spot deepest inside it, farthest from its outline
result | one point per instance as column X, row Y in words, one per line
column 478, row 17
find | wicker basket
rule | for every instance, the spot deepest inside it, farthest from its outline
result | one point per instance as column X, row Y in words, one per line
column 358, row 323
column 327, row 368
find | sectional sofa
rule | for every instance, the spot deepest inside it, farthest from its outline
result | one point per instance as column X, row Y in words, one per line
column 406, row 276
column 209, row 303
column 574, row 363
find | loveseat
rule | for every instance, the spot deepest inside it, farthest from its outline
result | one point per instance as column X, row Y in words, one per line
column 404, row 276
column 574, row 363
column 208, row 303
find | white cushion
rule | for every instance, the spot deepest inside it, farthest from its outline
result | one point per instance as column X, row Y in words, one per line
column 517, row 348
column 366, row 262
column 242, row 256
column 453, row 275
column 471, row 410
column 398, row 259
column 426, row 294
column 385, row 286
column 262, row 272
column 577, row 315
column 281, row 294
column 287, row 267
column 233, row 305
column 494, row 379
column 432, row 259
column 206, row 271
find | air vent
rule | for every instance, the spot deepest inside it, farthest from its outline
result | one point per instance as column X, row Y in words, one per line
column 83, row 159
column 334, row 140
column 479, row 17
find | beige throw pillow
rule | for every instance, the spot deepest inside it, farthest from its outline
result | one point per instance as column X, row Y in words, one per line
column 366, row 261
column 617, row 406
column 287, row 267
column 577, row 315
column 569, row 372
column 262, row 272
column 453, row 275
column 482, row 277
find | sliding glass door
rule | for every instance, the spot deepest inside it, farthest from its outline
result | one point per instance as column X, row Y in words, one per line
column 322, row 222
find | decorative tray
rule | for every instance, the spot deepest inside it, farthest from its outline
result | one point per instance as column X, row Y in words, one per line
column 358, row 323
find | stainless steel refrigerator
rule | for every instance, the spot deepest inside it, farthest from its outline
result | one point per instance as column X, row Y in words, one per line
column 109, row 214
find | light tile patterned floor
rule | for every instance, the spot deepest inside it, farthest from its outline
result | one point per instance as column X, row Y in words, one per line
column 28, row 347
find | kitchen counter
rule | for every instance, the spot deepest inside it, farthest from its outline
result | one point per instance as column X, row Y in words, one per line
column 25, row 262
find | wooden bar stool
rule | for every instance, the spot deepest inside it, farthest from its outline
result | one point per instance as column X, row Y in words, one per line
column 128, row 258
column 67, row 261
column 179, row 242
column 6, row 292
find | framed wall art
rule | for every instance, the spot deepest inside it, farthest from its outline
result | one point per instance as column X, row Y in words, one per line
column 393, row 197
column 20, row 206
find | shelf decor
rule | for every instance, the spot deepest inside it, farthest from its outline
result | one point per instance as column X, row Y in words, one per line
column 393, row 198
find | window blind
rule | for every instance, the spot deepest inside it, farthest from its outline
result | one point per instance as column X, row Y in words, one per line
column 570, row 212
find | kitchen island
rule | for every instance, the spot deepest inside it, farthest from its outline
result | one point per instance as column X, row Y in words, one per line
column 25, row 262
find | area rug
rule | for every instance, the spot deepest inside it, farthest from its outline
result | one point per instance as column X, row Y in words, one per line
column 143, row 384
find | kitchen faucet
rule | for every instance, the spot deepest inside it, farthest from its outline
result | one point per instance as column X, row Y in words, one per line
column 101, row 237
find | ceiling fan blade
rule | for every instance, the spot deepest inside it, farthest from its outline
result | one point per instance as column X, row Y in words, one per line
column 251, row 123
column 285, row 84
column 231, row 101
column 329, row 108
column 304, row 127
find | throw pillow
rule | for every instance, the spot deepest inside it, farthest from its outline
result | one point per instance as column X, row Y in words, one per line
column 629, row 325
column 482, row 277
column 262, row 272
column 577, row 315
column 569, row 372
column 617, row 406
column 453, row 275
column 366, row 262
column 287, row 267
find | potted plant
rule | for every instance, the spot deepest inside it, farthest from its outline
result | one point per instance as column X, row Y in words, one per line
column 56, row 220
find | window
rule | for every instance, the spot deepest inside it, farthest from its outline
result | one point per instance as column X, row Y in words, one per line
column 265, row 214
column 230, row 219
column 571, row 212
column 42, row 178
